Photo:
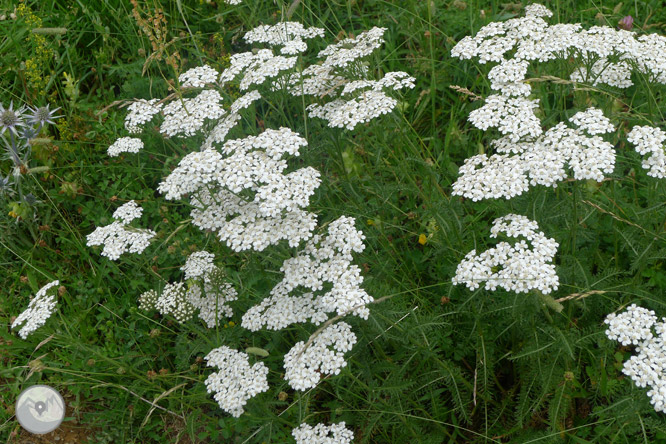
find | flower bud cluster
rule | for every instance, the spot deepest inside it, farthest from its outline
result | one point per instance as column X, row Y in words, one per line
column 207, row 292
column 520, row 267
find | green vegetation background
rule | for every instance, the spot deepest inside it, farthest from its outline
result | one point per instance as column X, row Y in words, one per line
column 434, row 363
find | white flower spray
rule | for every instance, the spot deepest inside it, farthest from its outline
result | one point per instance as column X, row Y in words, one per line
column 520, row 267
column 639, row 327
column 39, row 309
column 527, row 155
column 239, row 189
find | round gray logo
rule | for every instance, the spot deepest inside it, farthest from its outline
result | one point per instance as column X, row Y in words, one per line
column 40, row 409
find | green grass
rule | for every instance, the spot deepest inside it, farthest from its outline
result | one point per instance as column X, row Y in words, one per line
column 434, row 362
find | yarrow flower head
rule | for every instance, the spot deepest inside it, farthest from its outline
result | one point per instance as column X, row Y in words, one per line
column 631, row 327
column 647, row 367
column 236, row 381
column 349, row 50
column 119, row 237
column 173, row 301
column 361, row 101
column 322, row 261
column 39, row 310
column 187, row 116
column 198, row 77
column 323, row 434
column 125, row 145
column 650, row 141
column 198, row 265
column 541, row 161
column 141, row 112
column 256, row 68
column 520, row 267
column 324, row 356
column 273, row 212
column 207, row 292
column 128, row 212
column 289, row 35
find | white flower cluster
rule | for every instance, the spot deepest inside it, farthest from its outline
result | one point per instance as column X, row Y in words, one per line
column 323, row 434
column 236, row 381
column 230, row 119
column 233, row 2
column 255, row 164
column 513, row 116
column 119, row 237
column 186, row 116
column 603, row 56
column 247, row 228
column 542, row 161
column 360, row 100
column 128, row 212
column 593, row 121
column 507, row 77
column 647, row 367
column 39, row 310
column 198, row 264
column 289, row 35
column 323, row 260
column 125, row 145
column 198, row 77
column 174, row 301
column 649, row 140
column 631, row 327
column 304, row 366
column 516, row 267
column 207, row 292
column 140, row 112
column 531, row 38
column 148, row 300
column 256, row 68
column 349, row 50
column 238, row 189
